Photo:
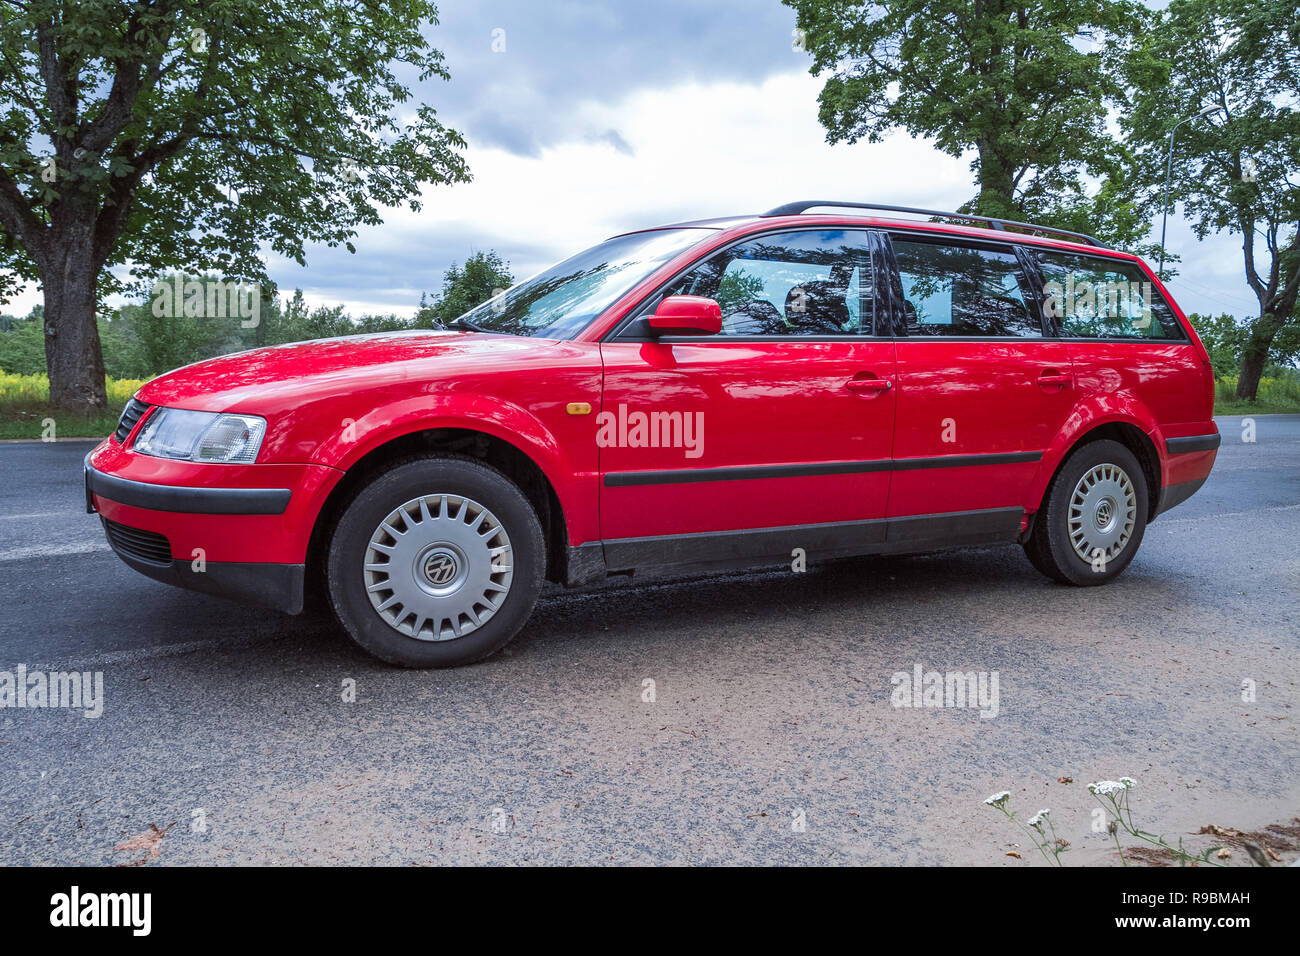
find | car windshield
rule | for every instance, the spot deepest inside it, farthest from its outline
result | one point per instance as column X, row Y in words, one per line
column 560, row 302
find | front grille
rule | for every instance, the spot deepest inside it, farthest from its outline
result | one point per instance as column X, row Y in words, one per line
column 142, row 545
column 130, row 415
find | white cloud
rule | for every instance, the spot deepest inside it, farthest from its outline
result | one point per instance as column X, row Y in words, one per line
column 689, row 151
column 697, row 150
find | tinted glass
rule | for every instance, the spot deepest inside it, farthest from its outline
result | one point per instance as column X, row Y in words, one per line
column 796, row 283
column 961, row 290
column 560, row 302
column 1101, row 298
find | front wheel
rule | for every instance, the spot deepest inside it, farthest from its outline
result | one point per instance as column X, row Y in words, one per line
column 435, row 563
column 1093, row 516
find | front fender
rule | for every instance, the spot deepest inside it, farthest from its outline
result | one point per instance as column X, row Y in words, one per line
column 569, row 464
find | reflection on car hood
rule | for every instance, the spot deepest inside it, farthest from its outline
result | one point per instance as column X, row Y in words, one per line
column 326, row 366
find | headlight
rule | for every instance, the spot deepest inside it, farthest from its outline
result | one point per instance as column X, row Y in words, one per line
column 201, row 436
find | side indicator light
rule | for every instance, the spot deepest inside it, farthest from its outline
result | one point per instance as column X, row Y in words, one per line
column 578, row 408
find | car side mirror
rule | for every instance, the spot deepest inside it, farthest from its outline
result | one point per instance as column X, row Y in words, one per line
column 686, row 315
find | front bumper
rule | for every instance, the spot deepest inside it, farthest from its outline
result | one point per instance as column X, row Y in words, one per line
column 184, row 500
column 247, row 543
column 277, row 586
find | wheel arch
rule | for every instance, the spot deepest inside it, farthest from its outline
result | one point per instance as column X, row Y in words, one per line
column 491, row 449
column 1129, row 434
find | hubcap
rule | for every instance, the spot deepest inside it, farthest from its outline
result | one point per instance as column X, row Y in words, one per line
column 1103, row 512
column 438, row 567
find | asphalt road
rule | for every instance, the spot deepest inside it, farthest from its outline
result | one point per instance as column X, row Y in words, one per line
column 771, row 738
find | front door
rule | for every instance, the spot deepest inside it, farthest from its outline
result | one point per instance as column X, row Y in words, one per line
column 772, row 436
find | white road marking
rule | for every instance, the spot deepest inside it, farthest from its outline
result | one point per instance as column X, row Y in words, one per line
column 1230, row 514
column 51, row 551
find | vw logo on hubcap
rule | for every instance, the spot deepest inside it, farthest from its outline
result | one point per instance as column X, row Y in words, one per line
column 440, row 568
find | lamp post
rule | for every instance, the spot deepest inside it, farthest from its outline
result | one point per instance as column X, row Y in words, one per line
column 1169, row 170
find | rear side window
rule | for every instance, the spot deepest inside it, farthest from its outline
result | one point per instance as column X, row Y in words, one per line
column 1092, row 297
column 963, row 290
column 811, row 282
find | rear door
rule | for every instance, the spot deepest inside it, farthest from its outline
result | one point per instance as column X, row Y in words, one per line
column 773, row 435
column 981, row 392
column 1123, row 337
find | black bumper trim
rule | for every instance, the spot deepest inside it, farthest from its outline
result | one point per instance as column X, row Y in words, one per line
column 185, row 500
column 278, row 586
column 967, row 461
column 1182, row 446
column 1172, row 495
column 753, row 472
column 760, row 546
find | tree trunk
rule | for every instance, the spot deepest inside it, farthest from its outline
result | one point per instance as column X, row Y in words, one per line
column 1255, row 354
column 996, row 185
column 72, row 351
column 1253, row 360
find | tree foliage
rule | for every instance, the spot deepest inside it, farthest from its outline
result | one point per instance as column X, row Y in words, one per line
column 1236, row 171
column 1024, row 85
column 483, row 275
column 199, row 136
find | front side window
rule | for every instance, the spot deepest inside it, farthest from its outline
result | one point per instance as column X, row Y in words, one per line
column 560, row 302
column 1092, row 297
column 815, row 282
column 963, row 291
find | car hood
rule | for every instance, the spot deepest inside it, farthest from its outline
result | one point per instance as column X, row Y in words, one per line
column 303, row 370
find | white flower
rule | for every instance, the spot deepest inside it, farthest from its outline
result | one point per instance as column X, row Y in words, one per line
column 998, row 799
column 1037, row 819
column 1107, row 788
column 1129, row 782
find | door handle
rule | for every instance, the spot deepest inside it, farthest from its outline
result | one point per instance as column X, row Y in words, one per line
column 1052, row 377
column 868, row 385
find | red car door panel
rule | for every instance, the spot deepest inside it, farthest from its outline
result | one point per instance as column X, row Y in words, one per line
column 780, row 436
column 981, row 393
column 973, row 421
column 791, row 408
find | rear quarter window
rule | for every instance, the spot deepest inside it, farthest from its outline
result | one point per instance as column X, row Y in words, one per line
column 1093, row 297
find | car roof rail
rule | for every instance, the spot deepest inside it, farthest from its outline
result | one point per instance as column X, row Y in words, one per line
column 795, row 208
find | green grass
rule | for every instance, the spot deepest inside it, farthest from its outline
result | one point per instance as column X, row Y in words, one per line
column 31, row 422
column 1275, row 396
column 25, row 409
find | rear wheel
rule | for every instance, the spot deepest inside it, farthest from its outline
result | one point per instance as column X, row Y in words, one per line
column 1093, row 517
column 435, row 563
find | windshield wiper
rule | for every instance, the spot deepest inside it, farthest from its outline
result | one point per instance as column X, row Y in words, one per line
column 468, row 326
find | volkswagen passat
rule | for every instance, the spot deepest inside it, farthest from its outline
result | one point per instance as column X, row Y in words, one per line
column 839, row 378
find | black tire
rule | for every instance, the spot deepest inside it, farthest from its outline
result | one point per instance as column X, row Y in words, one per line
column 460, row 479
column 1050, row 546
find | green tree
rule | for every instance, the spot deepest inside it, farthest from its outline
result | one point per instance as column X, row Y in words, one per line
column 1236, row 172
column 463, row 287
column 178, row 134
column 1024, row 85
column 737, row 288
column 22, row 345
column 1222, row 337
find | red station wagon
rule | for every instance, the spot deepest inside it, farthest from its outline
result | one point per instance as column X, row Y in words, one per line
column 826, row 379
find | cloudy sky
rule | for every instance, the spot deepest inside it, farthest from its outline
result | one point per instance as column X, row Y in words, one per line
column 600, row 117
